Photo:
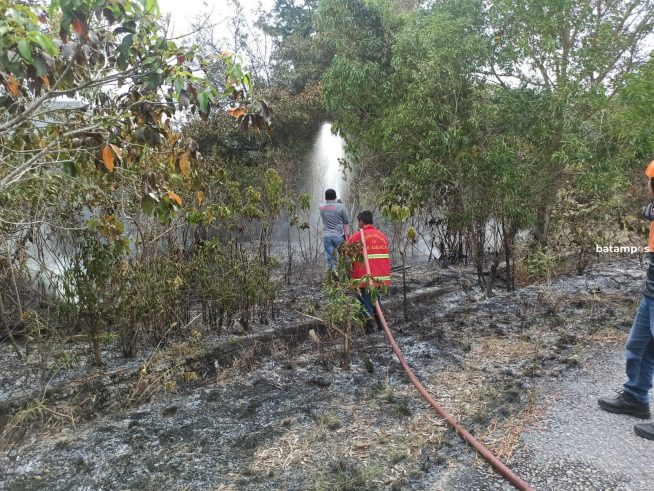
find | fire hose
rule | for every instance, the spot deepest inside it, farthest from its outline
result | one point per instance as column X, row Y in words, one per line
column 471, row 440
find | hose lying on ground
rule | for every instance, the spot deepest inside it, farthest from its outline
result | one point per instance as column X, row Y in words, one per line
column 471, row 440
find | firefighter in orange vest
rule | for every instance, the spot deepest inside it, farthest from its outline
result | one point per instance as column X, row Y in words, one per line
column 635, row 397
column 380, row 265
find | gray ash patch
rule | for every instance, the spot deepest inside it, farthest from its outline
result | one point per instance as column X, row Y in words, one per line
column 292, row 418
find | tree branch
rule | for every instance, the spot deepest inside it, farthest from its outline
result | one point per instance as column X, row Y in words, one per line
column 16, row 174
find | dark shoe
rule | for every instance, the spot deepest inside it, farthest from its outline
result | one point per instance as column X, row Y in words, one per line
column 625, row 404
column 645, row 430
column 369, row 326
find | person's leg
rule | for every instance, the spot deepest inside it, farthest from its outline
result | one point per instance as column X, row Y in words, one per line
column 645, row 379
column 378, row 321
column 642, row 383
column 634, row 400
column 366, row 310
column 374, row 312
column 646, row 375
column 639, row 366
column 366, row 303
column 328, row 242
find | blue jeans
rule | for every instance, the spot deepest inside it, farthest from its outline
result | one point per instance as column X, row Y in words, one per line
column 640, row 353
column 331, row 243
column 366, row 302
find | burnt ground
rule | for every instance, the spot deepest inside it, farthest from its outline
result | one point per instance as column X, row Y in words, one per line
column 271, row 409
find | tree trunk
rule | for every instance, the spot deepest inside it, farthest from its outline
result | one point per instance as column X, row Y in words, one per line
column 128, row 334
column 95, row 346
column 406, row 316
column 508, row 237
column 94, row 337
column 542, row 225
column 443, row 258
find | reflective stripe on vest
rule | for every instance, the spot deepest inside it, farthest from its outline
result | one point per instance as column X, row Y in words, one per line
column 378, row 256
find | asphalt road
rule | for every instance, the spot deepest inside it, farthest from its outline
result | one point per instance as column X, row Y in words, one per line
column 576, row 446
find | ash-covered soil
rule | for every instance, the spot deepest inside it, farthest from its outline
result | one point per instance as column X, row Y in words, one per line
column 293, row 417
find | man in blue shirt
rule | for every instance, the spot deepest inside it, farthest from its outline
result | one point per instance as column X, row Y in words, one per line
column 335, row 220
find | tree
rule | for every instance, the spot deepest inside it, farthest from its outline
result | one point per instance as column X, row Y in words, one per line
column 91, row 92
column 490, row 112
column 632, row 116
column 300, row 56
column 575, row 53
column 456, row 139
column 129, row 79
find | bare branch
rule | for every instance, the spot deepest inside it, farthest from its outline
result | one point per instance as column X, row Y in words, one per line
column 15, row 175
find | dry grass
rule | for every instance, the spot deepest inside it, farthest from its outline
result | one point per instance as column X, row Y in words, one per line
column 502, row 437
column 607, row 336
column 37, row 413
column 245, row 361
column 500, row 350
column 247, row 356
column 361, row 440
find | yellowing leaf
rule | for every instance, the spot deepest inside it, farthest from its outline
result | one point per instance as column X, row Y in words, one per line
column 108, row 158
column 12, row 85
column 80, row 27
column 185, row 164
column 200, row 197
column 174, row 197
column 116, row 151
column 236, row 112
column 46, row 81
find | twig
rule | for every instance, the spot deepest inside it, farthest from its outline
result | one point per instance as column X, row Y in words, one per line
column 323, row 322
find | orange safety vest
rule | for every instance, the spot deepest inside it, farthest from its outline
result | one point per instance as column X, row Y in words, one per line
column 378, row 257
column 650, row 242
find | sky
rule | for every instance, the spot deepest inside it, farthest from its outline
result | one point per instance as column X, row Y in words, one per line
column 185, row 12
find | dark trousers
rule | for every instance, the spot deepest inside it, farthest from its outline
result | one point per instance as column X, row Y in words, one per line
column 368, row 311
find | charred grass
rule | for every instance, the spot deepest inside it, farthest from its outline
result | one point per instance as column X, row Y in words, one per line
column 295, row 416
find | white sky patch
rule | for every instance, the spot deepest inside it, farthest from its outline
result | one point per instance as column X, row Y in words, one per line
column 184, row 13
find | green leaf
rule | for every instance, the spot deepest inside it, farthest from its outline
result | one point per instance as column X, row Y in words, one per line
column 24, row 50
column 40, row 65
column 237, row 72
column 125, row 45
column 203, row 102
column 152, row 7
column 70, row 168
column 248, row 82
column 46, row 44
column 54, row 6
column 147, row 205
